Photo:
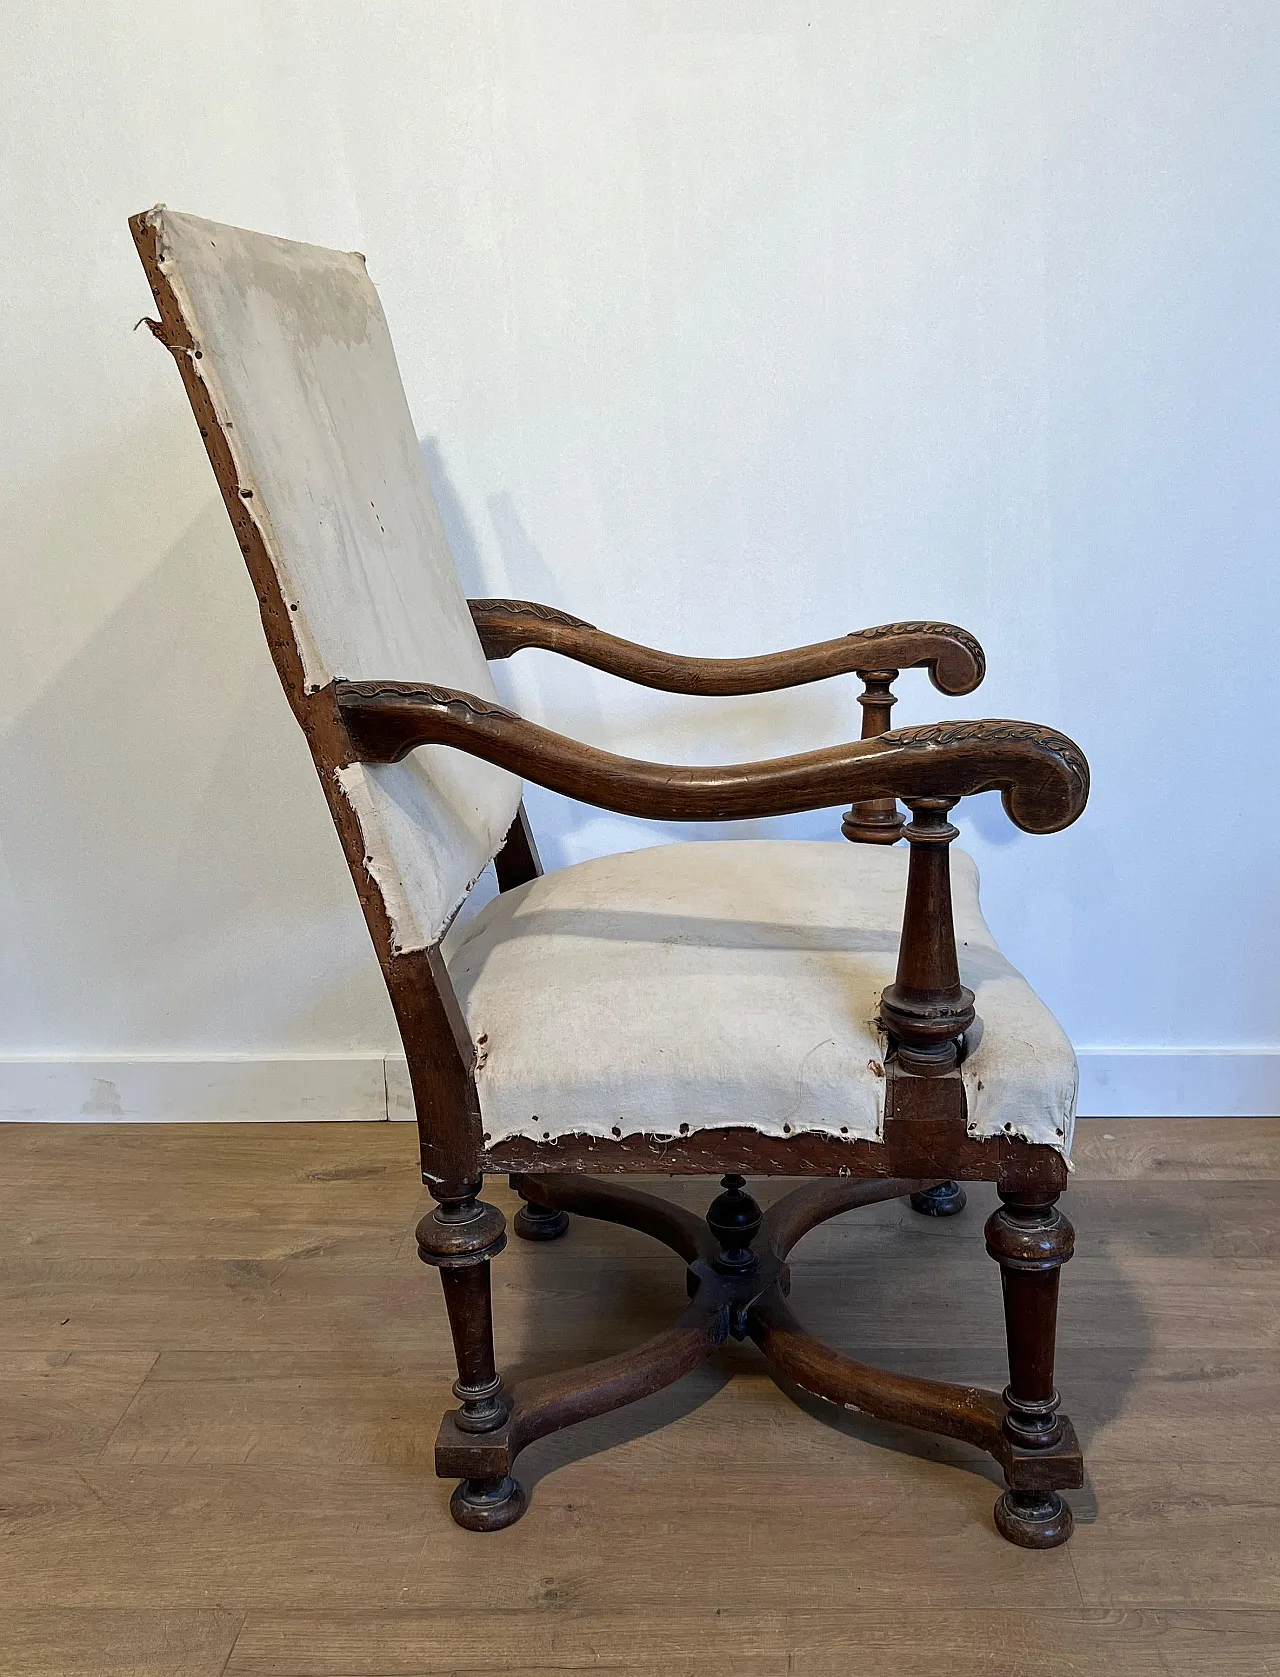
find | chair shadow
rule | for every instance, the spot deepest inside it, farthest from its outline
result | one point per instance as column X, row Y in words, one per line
column 927, row 1303
column 622, row 1426
column 644, row 1294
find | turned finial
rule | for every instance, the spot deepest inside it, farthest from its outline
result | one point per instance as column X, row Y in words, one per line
column 734, row 1219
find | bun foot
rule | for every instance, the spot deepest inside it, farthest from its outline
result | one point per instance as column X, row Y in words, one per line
column 540, row 1222
column 488, row 1504
column 1034, row 1519
column 943, row 1201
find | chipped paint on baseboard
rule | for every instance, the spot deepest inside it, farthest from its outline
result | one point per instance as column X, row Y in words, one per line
column 104, row 1099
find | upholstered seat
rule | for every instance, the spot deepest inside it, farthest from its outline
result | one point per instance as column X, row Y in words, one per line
column 691, row 986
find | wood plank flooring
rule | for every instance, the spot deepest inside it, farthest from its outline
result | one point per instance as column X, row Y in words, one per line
column 221, row 1370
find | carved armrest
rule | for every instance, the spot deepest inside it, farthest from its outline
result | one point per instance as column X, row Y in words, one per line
column 1042, row 775
column 952, row 656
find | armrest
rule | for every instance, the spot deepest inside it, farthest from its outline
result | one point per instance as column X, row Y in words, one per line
column 1042, row 775
column 953, row 658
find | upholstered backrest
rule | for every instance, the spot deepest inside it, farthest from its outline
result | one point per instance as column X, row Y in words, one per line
column 295, row 353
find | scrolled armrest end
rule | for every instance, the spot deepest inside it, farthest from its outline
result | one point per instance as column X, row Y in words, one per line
column 1042, row 776
column 953, row 657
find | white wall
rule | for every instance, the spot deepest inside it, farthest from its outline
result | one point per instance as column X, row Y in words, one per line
column 727, row 324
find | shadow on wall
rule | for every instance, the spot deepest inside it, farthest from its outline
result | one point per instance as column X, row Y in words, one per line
column 642, row 723
column 170, row 832
column 171, row 877
column 525, row 575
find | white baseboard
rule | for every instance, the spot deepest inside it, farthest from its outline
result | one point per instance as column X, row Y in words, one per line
column 223, row 1088
column 239, row 1088
column 1179, row 1082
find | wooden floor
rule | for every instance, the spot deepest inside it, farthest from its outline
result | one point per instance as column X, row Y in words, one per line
column 221, row 1369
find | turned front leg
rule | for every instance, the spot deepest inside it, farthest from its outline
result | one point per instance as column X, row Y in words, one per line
column 460, row 1238
column 1031, row 1239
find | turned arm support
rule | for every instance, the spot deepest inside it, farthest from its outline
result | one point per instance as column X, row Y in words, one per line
column 953, row 658
column 1041, row 774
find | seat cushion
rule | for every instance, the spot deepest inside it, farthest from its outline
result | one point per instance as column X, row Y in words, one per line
column 731, row 983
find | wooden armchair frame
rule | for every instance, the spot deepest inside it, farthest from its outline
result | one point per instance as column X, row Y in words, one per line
column 736, row 1259
column 738, row 1273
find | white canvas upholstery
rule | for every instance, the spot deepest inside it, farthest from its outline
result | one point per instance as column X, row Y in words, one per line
column 731, row 984
column 296, row 355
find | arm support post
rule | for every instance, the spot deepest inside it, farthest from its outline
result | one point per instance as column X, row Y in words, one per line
column 927, row 1009
column 874, row 820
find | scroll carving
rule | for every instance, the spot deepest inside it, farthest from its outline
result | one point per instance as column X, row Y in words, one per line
column 959, row 679
column 1069, row 764
column 375, row 713
column 363, row 695
column 489, row 614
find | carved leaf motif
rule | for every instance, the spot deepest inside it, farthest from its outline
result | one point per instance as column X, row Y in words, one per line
column 406, row 692
column 938, row 734
column 528, row 608
column 939, row 631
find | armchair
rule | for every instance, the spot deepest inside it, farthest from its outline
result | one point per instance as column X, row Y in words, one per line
column 837, row 1011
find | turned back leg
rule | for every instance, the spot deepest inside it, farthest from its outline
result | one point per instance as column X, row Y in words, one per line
column 460, row 1238
column 944, row 1199
column 538, row 1222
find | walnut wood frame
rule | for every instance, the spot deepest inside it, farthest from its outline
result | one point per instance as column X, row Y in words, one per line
column 735, row 1288
column 738, row 1281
